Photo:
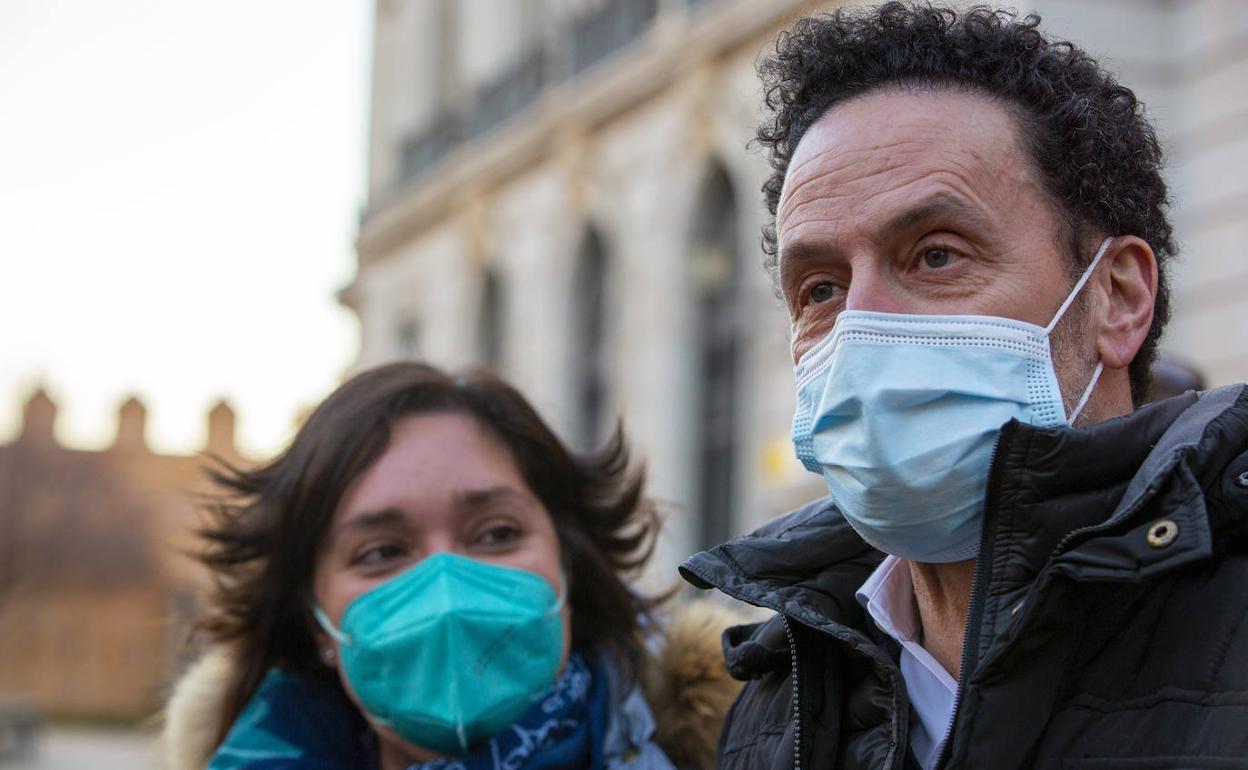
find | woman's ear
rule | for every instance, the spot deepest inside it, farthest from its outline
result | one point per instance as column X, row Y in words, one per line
column 327, row 653
column 1129, row 284
column 326, row 646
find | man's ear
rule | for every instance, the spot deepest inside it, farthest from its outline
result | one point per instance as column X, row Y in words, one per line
column 1128, row 282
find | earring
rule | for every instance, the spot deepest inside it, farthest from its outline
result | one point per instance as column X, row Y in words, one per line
column 328, row 656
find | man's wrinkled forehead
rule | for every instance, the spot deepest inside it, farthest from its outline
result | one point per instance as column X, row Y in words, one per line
column 818, row 142
column 880, row 145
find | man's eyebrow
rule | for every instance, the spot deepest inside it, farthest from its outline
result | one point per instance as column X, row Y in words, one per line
column 938, row 206
column 795, row 255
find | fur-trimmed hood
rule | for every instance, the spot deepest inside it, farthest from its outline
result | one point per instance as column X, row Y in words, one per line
column 686, row 684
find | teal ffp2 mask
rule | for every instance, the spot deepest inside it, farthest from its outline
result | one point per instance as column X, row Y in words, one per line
column 900, row 415
column 451, row 651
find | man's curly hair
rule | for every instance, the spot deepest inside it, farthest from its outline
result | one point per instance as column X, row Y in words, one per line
column 1087, row 136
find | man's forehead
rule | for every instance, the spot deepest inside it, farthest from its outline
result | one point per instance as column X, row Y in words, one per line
column 904, row 133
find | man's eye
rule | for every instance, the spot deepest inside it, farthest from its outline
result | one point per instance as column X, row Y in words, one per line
column 821, row 292
column 936, row 258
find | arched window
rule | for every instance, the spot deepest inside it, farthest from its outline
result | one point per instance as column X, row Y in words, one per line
column 490, row 321
column 588, row 364
column 714, row 277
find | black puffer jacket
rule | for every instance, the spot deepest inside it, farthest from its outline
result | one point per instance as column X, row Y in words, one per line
column 1108, row 625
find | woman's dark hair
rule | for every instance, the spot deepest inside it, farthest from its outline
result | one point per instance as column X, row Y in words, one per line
column 1086, row 135
column 264, row 531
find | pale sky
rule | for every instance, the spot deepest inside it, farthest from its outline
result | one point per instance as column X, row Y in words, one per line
column 179, row 187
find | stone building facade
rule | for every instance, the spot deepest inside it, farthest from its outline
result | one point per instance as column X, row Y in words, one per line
column 96, row 593
column 561, row 190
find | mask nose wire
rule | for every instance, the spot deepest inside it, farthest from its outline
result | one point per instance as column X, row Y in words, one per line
column 1074, row 293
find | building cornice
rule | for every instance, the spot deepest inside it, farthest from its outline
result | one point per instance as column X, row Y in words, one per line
column 676, row 43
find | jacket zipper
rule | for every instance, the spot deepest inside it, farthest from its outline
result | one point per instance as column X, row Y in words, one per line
column 797, row 705
column 784, row 619
column 946, row 746
column 972, row 615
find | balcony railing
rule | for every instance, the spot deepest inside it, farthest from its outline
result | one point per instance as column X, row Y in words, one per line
column 423, row 149
column 607, row 29
column 592, row 37
column 508, row 94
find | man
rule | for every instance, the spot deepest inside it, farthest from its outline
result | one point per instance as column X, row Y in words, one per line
column 1015, row 567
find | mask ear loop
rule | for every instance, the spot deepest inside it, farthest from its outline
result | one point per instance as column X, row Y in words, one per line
column 1087, row 393
column 323, row 620
column 1061, row 311
column 562, row 599
column 1083, row 279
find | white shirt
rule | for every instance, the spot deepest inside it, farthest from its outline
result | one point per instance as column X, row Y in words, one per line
column 888, row 596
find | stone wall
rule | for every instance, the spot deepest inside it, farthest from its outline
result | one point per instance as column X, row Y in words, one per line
column 97, row 593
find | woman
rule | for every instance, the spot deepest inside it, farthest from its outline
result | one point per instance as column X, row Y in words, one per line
column 426, row 578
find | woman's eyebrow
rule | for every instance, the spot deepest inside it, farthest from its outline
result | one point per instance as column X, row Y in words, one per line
column 480, row 498
column 382, row 519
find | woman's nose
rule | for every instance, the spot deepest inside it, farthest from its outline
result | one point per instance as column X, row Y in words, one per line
column 440, row 542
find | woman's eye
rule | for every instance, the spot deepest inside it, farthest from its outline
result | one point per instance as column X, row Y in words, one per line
column 821, row 292
column 379, row 554
column 499, row 535
column 936, row 258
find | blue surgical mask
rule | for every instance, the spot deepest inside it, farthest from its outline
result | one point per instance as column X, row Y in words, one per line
column 452, row 651
column 900, row 415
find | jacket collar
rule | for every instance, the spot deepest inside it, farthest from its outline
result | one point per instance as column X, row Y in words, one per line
column 806, row 564
column 1084, row 501
column 1080, row 500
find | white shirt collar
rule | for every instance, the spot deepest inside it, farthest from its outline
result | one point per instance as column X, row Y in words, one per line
column 888, row 596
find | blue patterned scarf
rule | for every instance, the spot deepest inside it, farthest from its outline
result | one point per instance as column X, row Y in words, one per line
column 561, row 730
column 299, row 722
